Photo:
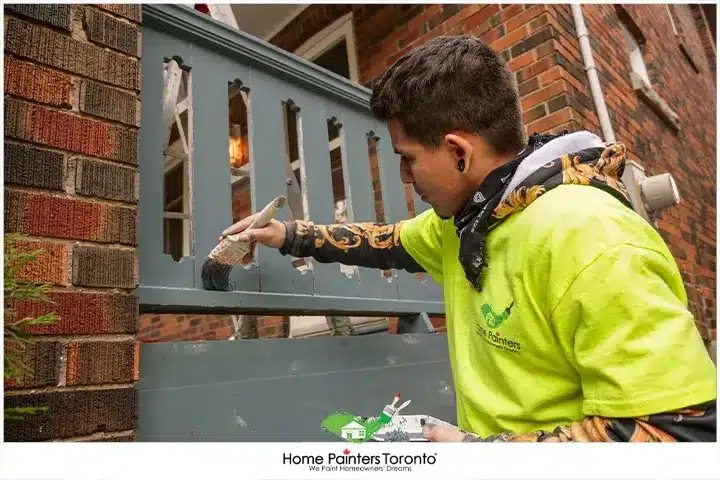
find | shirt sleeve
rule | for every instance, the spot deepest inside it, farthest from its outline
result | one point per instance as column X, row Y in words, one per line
column 624, row 325
column 422, row 237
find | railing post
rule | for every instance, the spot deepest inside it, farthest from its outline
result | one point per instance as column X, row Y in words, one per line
column 415, row 323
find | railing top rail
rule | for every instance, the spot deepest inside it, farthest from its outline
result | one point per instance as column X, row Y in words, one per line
column 200, row 29
column 197, row 107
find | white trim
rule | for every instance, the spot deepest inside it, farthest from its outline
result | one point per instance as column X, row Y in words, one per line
column 635, row 53
column 328, row 37
column 285, row 21
column 672, row 20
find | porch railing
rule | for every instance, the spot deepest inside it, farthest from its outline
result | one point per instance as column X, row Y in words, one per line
column 211, row 57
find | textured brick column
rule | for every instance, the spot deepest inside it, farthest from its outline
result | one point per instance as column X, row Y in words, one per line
column 72, row 80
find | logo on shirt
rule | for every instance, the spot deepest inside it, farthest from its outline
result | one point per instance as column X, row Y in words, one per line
column 492, row 334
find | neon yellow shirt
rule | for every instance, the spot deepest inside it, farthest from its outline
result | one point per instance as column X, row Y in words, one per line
column 583, row 312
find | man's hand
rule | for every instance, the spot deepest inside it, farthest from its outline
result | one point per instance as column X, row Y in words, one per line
column 271, row 235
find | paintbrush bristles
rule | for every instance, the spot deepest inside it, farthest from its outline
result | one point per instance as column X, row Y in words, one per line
column 230, row 251
column 219, row 264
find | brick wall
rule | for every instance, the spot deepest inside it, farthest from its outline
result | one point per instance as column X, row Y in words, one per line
column 690, row 154
column 540, row 45
column 173, row 327
column 72, row 81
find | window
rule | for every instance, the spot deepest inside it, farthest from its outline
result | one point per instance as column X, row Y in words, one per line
column 686, row 32
column 639, row 77
column 636, row 55
column 333, row 48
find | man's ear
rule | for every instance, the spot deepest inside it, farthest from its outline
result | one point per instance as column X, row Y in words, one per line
column 461, row 149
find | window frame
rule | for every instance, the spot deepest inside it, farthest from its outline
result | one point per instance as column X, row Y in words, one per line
column 341, row 29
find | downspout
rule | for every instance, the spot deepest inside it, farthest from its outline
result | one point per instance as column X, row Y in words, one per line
column 629, row 177
column 596, row 91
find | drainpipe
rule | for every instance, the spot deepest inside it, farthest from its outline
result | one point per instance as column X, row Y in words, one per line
column 597, row 95
column 647, row 195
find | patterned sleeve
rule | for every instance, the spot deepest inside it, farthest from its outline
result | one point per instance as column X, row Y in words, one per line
column 693, row 424
column 372, row 245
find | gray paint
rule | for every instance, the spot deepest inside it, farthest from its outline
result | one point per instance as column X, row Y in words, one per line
column 267, row 147
column 272, row 390
column 272, row 77
column 200, row 30
column 281, row 390
column 169, row 300
column 156, row 268
column 419, row 323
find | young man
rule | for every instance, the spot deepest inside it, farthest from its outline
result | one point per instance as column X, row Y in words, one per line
column 566, row 313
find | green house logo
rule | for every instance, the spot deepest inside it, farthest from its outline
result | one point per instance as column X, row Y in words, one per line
column 492, row 319
column 356, row 429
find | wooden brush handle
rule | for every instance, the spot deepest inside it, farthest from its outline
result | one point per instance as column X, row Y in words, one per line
column 268, row 213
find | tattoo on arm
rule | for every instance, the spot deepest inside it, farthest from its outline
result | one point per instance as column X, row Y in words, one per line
column 693, row 424
column 372, row 245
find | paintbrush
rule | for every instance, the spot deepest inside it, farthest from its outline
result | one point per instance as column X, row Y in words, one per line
column 231, row 250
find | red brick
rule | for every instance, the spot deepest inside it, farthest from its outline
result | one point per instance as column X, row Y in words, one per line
column 510, row 11
column 107, row 102
column 568, row 48
column 459, row 20
column 535, row 113
column 533, row 41
column 105, row 180
column 36, row 83
column 40, row 361
column 528, row 87
column 492, row 35
column 223, row 332
column 113, row 33
column 437, row 322
column 100, row 362
column 59, row 51
column 69, row 132
column 83, row 313
column 549, row 76
column 551, row 121
column 33, row 167
column 58, row 16
column 543, row 94
column 64, row 217
column 103, row 267
column 524, row 17
column 542, row 65
column 480, row 18
column 131, row 12
column 73, row 413
column 522, row 61
column 51, row 266
column 538, row 23
column 509, row 39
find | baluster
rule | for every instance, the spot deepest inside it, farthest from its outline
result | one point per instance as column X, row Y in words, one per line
column 156, row 267
column 357, row 127
column 277, row 274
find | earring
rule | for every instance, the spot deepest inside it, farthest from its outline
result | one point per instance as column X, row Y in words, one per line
column 461, row 165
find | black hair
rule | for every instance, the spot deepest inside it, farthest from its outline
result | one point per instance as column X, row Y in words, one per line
column 452, row 83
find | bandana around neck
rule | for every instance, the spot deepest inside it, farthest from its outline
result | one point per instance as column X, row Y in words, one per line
column 601, row 167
